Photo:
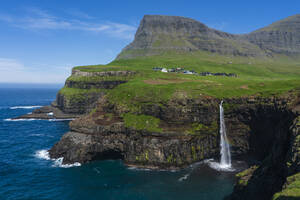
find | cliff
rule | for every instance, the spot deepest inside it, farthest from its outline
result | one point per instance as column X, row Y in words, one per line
column 186, row 131
column 127, row 110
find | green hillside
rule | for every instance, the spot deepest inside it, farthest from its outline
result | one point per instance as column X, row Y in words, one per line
column 254, row 77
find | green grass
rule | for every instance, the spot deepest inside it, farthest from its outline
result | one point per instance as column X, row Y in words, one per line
column 78, row 94
column 98, row 78
column 244, row 176
column 201, row 129
column 142, row 122
column 100, row 68
column 292, row 189
column 262, row 77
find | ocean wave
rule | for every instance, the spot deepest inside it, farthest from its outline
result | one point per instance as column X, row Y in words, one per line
column 20, row 120
column 184, row 177
column 34, row 135
column 97, row 170
column 152, row 169
column 58, row 163
column 44, row 154
column 58, row 120
column 34, row 119
column 140, row 169
column 24, row 107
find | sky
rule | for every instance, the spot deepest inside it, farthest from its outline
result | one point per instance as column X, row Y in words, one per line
column 41, row 40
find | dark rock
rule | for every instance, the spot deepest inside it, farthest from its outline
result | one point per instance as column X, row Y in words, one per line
column 48, row 112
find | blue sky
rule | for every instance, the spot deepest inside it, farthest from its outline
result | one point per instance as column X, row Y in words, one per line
column 41, row 40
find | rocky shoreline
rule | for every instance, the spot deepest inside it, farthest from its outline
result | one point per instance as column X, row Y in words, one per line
column 48, row 113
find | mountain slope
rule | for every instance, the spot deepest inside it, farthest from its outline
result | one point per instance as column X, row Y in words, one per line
column 280, row 37
column 158, row 33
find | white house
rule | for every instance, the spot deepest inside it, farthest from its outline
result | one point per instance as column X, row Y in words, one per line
column 164, row 70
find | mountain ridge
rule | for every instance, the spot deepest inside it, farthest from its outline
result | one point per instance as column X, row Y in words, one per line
column 158, row 33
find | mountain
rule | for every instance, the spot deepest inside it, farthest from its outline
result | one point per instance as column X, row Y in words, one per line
column 280, row 37
column 158, row 33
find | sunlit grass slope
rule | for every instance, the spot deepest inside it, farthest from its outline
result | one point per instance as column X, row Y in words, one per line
column 263, row 77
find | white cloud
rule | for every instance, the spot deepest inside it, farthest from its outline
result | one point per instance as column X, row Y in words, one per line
column 77, row 13
column 7, row 64
column 13, row 71
column 41, row 20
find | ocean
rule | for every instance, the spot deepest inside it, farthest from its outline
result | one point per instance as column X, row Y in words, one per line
column 26, row 172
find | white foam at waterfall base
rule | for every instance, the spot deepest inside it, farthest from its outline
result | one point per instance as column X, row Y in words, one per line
column 44, row 154
column 219, row 167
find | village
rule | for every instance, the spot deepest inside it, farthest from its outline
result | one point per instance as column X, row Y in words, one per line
column 184, row 71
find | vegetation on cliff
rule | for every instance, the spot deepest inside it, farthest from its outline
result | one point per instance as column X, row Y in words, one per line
column 291, row 189
column 260, row 78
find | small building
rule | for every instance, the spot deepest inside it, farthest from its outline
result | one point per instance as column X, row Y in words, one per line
column 164, row 70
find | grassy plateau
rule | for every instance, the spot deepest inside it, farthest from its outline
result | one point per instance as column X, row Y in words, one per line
column 255, row 76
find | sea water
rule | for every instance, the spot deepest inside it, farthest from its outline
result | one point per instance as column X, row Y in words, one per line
column 26, row 171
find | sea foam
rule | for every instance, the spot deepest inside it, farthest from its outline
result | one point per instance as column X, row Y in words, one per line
column 184, row 177
column 20, row 120
column 24, row 107
column 44, row 154
column 34, row 119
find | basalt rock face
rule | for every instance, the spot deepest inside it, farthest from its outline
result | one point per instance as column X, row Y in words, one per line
column 71, row 105
column 95, row 82
column 158, row 33
column 110, row 138
column 254, row 126
column 282, row 161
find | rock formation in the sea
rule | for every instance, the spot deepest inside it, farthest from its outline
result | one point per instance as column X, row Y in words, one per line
column 184, row 129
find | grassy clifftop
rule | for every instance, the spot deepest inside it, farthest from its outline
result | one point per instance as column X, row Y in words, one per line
column 254, row 77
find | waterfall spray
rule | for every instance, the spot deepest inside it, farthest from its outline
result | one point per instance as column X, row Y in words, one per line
column 225, row 149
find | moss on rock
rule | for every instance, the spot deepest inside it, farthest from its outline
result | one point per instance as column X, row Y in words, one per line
column 142, row 122
column 291, row 189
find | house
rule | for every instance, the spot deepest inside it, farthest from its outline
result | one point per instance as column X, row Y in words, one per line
column 164, row 70
column 171, row 70
column 187, row 72
column 157, row 68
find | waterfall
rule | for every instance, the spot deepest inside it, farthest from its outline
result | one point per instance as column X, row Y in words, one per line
column 225, row 149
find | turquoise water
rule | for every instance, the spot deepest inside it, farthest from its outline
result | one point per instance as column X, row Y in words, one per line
column 24, row 175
